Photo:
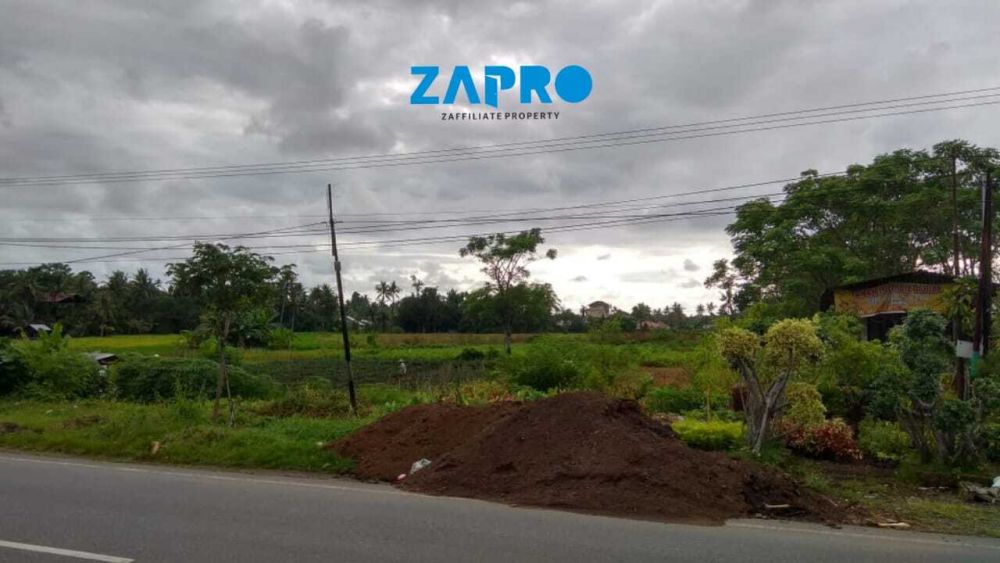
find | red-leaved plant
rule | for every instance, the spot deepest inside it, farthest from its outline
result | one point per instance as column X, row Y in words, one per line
column 833, row 440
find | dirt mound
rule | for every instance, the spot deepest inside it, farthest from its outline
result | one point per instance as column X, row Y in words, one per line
column 387, row 448
column 578, row 451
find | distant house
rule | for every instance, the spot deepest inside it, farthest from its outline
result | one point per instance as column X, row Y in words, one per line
column 598, row 310
column 653, row 325
column 57, row 297
column 34, row 330
column 103, row 358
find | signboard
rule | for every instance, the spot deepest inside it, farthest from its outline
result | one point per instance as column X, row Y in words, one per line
column 889, row 298
column 963, row 349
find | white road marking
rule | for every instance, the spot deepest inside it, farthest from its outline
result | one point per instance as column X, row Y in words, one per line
column 65, row 552
column 213, row 476
column 944, row 541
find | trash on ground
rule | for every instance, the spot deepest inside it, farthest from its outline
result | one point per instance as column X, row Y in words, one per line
column 979, row 493
column 419, row 464
column 897, row 525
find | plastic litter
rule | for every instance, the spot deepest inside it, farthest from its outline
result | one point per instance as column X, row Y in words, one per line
column 419, row 464
column 996, row 482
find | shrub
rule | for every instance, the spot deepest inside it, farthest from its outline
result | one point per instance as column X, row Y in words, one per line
column 55, row 371
column 309, row 401
column 715, row 435
column 883, row 440
column 673, row 400
column 470, row 355
column 832, row 440
column 547, row 366
column 147, row 379
column 13, row 372
column 989, row 437
column 805, row 405
column 280, row 338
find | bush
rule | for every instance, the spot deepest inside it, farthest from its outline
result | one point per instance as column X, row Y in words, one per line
column 883, row 440
column 715, row 435
column 832, row 440
column 989, row 436
column 546, row 367
column 280, row 338
column 673, row 400
column 471, row 355
column 55, row 371
column 805, row 405
column 13, row 372
column 147, row 379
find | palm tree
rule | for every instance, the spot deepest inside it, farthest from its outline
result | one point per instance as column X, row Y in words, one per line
column 417, row 285
column 384, row 291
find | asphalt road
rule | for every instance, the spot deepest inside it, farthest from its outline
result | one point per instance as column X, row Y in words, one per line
column 119, row 513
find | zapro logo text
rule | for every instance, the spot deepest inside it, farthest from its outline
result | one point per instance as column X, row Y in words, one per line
column 572, row 84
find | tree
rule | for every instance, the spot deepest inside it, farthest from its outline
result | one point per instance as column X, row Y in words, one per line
column 505, row 260
column 725, row 279
column 416, row 284
column 229, row 283
column 896, row 214
column 641, row 312
column 766, row 367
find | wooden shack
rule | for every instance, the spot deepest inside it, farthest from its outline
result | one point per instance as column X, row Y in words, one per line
column 882, row 303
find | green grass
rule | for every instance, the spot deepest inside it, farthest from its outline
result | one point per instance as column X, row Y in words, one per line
column 893, row 496
column 162, row 344
column 125, row 431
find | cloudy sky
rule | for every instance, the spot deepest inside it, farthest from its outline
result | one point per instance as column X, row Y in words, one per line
column 100, row 86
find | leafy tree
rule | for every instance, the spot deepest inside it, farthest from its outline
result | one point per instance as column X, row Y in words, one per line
column 724, row 278
column 766, row 367
column 940, row 426
column 885, row 218
column 505, row 260
column 642, row 312
column 230, row 283
column 533, row 304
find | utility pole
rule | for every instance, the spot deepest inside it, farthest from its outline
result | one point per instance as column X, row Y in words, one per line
column 340, row 301
column 981, row 342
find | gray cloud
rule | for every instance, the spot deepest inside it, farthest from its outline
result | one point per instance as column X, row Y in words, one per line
column 690, row 266
column 114, row 85
column 579, row 279
column 691, row 283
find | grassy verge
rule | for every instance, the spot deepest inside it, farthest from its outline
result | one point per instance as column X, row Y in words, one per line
column 185, row 434
column 892, row 496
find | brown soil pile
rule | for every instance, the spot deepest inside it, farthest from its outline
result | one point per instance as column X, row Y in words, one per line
column 580, row 451
column 387, row 448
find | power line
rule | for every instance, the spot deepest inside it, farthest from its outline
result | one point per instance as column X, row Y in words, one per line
column 629, row 138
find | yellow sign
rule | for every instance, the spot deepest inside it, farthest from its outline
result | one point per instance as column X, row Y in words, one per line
column 889, row 298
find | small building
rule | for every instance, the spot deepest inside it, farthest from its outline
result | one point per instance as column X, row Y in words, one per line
column 653, row 325
column 104, row 359
column 36, row 329
column 882, row 303
column 598, row 310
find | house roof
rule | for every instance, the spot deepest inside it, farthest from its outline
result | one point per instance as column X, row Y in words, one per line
column 599, row 304
column 40, row 327
column 918, row 276
column 101, row 357
column 57, row 297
